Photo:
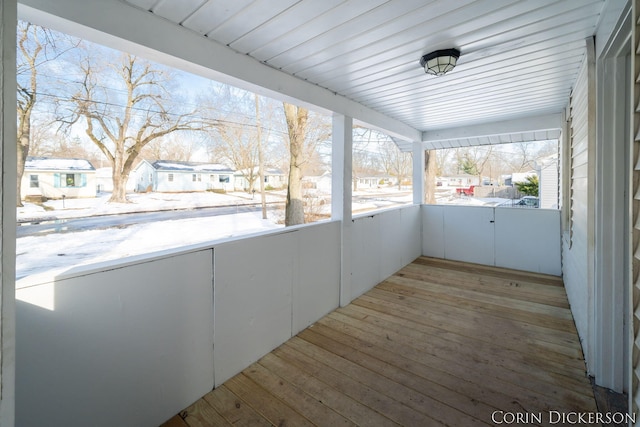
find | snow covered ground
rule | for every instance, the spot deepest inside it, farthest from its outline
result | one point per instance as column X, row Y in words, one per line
column 54, row 253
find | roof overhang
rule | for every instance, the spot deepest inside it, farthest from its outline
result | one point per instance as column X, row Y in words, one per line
column 120, row 26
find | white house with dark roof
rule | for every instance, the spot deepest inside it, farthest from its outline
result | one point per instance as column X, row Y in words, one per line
column 54, row 178
column 274, row 178
column 176, row 177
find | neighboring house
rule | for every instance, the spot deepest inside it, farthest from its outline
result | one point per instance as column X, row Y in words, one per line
column 104, row 180
column 55, row 178
column 376, row 181
column 322, row 183
column 142, row 178
column 461, row 180
column 273, row 178
column 549, row 185
column 517, row 177
column 168, row 176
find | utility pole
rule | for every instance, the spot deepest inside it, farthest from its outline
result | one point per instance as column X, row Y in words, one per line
column 263, row 196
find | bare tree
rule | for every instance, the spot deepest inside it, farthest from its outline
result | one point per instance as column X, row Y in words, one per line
column 296, row 118
column 36, row 47
column 237, row 137
column 365, row 158
column 430, row 173
column 171, row 147
column 523, row 157
column 29, row 48
column 122, row 120
column 395, row 162
column 474, row 160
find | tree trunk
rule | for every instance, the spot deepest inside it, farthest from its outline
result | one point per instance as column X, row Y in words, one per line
column 294, row 210
column 430, row 177
column 296, row 123
column 119, row 176
column 23, row 152
column 119, row 194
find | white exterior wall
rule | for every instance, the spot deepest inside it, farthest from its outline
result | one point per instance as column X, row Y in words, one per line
column 577, row 248
column 182, row 181
column 142, row 179
column 549, row 185
column 48, row 189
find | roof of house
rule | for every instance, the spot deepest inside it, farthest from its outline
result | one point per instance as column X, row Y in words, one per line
column 267, row 171
column 57, row 164
column 177, row 166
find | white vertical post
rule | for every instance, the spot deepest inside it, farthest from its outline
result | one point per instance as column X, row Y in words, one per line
column 418, row 173
column 341, row 196
column 8, row 19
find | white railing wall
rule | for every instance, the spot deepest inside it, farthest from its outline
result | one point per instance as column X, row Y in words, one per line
column 133, row 342
column 127, row 345
column 383, row 243
column 518, row 238
column 270, row 287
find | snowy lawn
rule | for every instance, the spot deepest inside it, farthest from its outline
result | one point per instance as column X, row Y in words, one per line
column 55, row 253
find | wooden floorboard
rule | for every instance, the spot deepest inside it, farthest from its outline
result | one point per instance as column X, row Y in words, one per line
column 438, row 343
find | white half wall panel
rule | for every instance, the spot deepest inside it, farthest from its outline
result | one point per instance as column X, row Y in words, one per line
column 528, row 239
column 383, row 243
column 126, row 346
column 469, row 234
column 518, row 238
column 253, row 294
column 270, row 287
column 433, row 231
column 318, row 290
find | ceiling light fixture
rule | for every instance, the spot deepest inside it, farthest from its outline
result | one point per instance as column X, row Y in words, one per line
column 440, row 61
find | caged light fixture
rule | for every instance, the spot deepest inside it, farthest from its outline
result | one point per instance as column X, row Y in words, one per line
column 440, row 61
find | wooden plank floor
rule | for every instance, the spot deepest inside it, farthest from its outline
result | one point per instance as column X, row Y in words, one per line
column 438, row 343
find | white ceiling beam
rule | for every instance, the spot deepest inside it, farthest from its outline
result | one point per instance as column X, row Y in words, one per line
column 120, row 26
column 535, row 125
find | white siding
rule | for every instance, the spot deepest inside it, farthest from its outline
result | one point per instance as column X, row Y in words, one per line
column 578, row 235
column 549, row 185
column 635, row 356
column 48, row 184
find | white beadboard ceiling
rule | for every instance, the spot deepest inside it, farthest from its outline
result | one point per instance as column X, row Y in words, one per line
column 519, row 58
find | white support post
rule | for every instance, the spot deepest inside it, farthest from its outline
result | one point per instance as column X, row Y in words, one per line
column 8, row 20
column 418, row 173
column 341, row 196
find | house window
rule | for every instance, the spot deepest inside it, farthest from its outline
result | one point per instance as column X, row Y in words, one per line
column 70, row 180
column 223, row 178
column 170, row 177
column 33, row 181
column 193, row 177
